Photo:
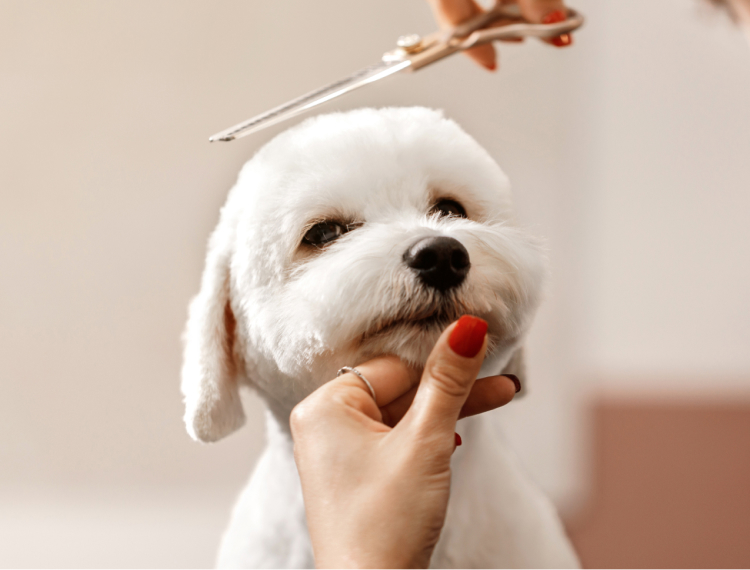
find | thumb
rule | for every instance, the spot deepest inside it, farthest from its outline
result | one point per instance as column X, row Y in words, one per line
column 449, row 374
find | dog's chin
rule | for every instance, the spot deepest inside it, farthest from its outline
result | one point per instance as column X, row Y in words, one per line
column 410, row 337
column 410, row 341
column 436, row 322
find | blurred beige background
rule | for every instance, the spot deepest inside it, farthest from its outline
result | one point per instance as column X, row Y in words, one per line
column 630, row 152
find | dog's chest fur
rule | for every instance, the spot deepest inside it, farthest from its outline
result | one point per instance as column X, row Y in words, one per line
column 496, row 517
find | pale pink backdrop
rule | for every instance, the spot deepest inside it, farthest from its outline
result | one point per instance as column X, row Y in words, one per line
column 629, row 152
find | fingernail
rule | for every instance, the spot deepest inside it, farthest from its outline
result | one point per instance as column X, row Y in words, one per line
column 516, row 381
column 562, row 40
column 458, row 440
column 492, row 66
column 467, row 337
column 554, row 17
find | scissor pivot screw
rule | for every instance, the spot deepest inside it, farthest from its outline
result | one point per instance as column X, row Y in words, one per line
column 411, row 43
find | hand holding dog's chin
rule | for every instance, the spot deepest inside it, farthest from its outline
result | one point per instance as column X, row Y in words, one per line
column 376, row 496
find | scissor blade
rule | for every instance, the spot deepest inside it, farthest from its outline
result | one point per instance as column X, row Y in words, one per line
column 300, row 104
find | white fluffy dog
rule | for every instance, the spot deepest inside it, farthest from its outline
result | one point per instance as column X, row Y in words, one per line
column 349, row 236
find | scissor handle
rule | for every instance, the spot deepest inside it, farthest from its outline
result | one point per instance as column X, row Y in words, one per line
column 474, row 32
column 522, row 29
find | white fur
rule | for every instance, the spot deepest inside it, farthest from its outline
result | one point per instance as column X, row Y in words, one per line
column 282, row 317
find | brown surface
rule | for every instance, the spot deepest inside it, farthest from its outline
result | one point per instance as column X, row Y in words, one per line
column 671, row 487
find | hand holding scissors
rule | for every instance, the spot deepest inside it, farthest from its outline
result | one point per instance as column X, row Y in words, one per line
column 413, row 52
column 450, row 13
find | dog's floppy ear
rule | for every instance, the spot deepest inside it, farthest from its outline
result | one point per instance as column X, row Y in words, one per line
column 213, row 408
column 517, row 366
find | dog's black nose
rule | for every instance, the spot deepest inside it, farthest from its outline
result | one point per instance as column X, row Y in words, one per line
column 441, row 262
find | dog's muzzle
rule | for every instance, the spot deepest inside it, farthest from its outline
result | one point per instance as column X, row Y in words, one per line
column 440, row 262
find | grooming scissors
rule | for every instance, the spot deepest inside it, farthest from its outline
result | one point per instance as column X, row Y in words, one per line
column 413, row 52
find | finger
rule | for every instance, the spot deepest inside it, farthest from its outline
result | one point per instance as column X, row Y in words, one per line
column 449, row 374
column 536, row 10
column 486, row 395
column 345, row 393
column 393, row 412
column 450, row 13
column 389, row 377
column 484, row 55
column 546, row 12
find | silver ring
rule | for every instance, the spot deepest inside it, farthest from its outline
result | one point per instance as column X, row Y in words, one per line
column 361, row 376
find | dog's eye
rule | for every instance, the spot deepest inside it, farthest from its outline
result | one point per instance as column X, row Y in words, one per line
column 448, row 208
column 323, row 233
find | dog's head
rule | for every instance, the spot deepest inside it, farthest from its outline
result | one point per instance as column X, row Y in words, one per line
column 352, row 235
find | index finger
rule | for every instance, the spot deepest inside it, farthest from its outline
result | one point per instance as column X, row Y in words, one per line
column 390, row 378
column 486, row 394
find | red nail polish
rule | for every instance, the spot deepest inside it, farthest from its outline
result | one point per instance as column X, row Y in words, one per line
column 554, row 17
column 515, row 380
column 467, row 337
column 562, row 40
column 492, row 66
column 458, row 440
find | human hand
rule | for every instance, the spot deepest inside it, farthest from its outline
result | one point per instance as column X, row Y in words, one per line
column 450, row 13
column 376, row 476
